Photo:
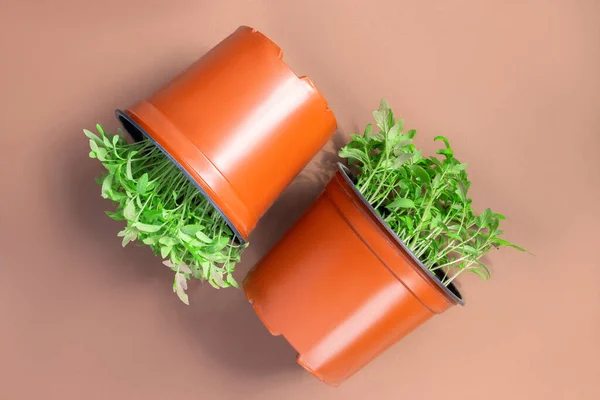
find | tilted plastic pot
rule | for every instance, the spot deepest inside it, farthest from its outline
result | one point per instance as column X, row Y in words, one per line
column 239, row 123
column 341, row 287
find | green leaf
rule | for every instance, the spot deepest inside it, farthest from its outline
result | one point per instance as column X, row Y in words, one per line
column 106, row 142
column 151, row 186
column 502, row 242
column 142, row 184
column 470, row 250
column 196, row 244
column 401, row 159
column 151, row 240
column 128, row 172
column 383, row 105
column 454, row 235
column 117, row 216
column 447, row 151
column 191, row 229
column 481, row 273
column 168, row 241
column 107, row 186
column 221, row 243
column 355, row 154
column 368, row 130
column 419, row 173
column 232, row 281
column 400, row 203
column 426, row 215
column 183, row 268
column 393, row 135
column 411, row 134
column 381, row 119
column 101, row 154
column 174, row 257
column 184, row 237
column 461, row 190
column 165, row 250
column 443, row 139
column 409, row 223
column 216, row 277
column 417, row 157
column 404, row 143
column 205, row 269
column 129, row 234
column 147, row 228
column 485, row 218
column 499, row 216
column 456, row 169
column 92, row 136
column 100, row 129
column 94, row 146
column 129, row 211
column 179, row 287
column 215, row 257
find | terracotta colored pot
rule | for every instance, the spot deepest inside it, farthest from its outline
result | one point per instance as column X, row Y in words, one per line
column 239, row 123
column 341, row 287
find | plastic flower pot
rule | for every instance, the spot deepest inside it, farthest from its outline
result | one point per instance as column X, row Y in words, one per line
column 341, row 287
column 239, row 123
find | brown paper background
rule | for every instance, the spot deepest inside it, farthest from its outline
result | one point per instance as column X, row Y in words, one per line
column 514, row 84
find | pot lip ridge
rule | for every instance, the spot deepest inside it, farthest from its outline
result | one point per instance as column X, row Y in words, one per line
column 124, row 117
column 451, row 291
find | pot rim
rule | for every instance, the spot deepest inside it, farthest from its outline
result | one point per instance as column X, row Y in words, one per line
column 450, row 290
column 124, row 117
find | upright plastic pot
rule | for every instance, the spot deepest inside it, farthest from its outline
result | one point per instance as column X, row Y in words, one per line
column 239, row 123
column 341, row 287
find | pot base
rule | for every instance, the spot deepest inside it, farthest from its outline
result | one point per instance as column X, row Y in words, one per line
column 273, row 332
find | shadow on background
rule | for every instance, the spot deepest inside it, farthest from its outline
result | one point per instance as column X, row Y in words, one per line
column 224, row 327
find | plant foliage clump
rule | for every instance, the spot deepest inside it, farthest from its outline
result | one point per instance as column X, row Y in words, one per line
column 164, row 210
column 423, row 199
